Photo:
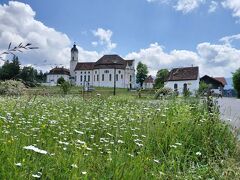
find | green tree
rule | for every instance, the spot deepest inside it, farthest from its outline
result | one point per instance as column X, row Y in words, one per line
column 60, row 80
column 236, row 81
column 142, row 72
column 161, row 77
column 10, row 70
column 65, row 87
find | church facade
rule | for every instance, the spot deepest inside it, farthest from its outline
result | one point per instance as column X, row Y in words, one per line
column 101, row 73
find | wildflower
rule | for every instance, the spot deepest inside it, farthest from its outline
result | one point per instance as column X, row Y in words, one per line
column 38, row 175
column 179, row 144
column 173, row 146
column 198, row 153
column 35, row 149
column 84, row 172
column 74, row 166
column 18, row 164
column 120, row 141
column 156, row 161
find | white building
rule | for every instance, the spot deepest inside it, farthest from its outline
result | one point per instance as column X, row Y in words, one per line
column 55, row 74
column 181, row 79
column 101, row 73
column 148, row 83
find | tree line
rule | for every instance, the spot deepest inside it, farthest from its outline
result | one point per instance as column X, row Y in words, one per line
column 12, row 70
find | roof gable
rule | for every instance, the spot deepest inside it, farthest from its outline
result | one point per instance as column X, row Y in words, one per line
column 181, row 74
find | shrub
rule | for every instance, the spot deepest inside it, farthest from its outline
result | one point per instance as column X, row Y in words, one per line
column 12, row 88
column 65, row 87
column 60, row 80
column 163, row 92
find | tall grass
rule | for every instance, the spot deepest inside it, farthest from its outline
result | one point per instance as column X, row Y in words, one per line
column 112, row 138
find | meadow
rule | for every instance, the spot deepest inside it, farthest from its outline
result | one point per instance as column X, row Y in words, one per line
column 106, row 137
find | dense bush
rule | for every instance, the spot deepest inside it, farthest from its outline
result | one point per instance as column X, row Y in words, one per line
column 12, row 88
column 165, row 91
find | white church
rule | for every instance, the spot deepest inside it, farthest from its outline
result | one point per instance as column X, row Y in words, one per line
column 98, row 74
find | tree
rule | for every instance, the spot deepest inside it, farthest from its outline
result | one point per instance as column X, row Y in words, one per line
column 65, row 87
column 10, row 70
column 142, row 72
column 236, row 81
column 60, row 80
column 161, row 77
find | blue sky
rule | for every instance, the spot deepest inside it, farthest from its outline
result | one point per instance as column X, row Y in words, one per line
column 160, row 33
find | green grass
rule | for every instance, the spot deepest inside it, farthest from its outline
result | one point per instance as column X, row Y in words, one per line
column 114, row 138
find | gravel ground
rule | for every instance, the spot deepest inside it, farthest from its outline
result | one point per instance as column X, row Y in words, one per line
column 230, row 110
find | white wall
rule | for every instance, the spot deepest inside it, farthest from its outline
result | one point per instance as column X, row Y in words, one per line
column 192, row 85
column 147, row 85
column 52, row 78
column 122, row 77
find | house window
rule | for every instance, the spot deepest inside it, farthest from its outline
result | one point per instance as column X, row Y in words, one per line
column 88, row 78
column 81, row 78
column 116, row 77
column 110, row 77
column 184, row 87
column 175, row 87
column 102, row 77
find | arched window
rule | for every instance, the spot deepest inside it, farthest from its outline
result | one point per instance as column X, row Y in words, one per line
column 110, row 77
column 184, row 87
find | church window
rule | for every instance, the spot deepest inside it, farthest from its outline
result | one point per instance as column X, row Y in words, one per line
column 81, row 78
column 106, row 71
column 88, row 72
column 97, row 77
column 88, row 77
column 119, row 72
column 130, row 78
column 85, row 72
column 81, row 72
column 85, row 78
column 116, row 77
column 95, row 72
column 110, row 77
column 121, row 76
column 102, row 77
column 94, row 78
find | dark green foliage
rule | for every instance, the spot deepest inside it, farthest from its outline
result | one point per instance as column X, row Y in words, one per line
column 236, row 82
column 163, row 92
column 60, row 80
column 10, row 70
column 161, row 77
column 142, row 72
column 65, row 87
column 203, row 87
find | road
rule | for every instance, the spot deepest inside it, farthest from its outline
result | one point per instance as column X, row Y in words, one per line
column 230, row 110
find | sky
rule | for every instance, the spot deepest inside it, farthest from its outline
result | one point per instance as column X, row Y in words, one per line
column 160, row 33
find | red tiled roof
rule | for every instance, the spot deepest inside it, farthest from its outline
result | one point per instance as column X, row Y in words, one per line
column 222, row 80
column 149, row 79
column 58, row 70
column 181, row 74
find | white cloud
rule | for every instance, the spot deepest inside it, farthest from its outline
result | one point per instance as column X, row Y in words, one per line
column 18, row 24
column 187, row 6
column 228, row 40
column 214, row 60
column 213, row 6
column 234, row 5
column 104, row 38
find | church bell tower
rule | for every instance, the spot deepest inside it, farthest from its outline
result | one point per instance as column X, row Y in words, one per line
column 73, row 62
